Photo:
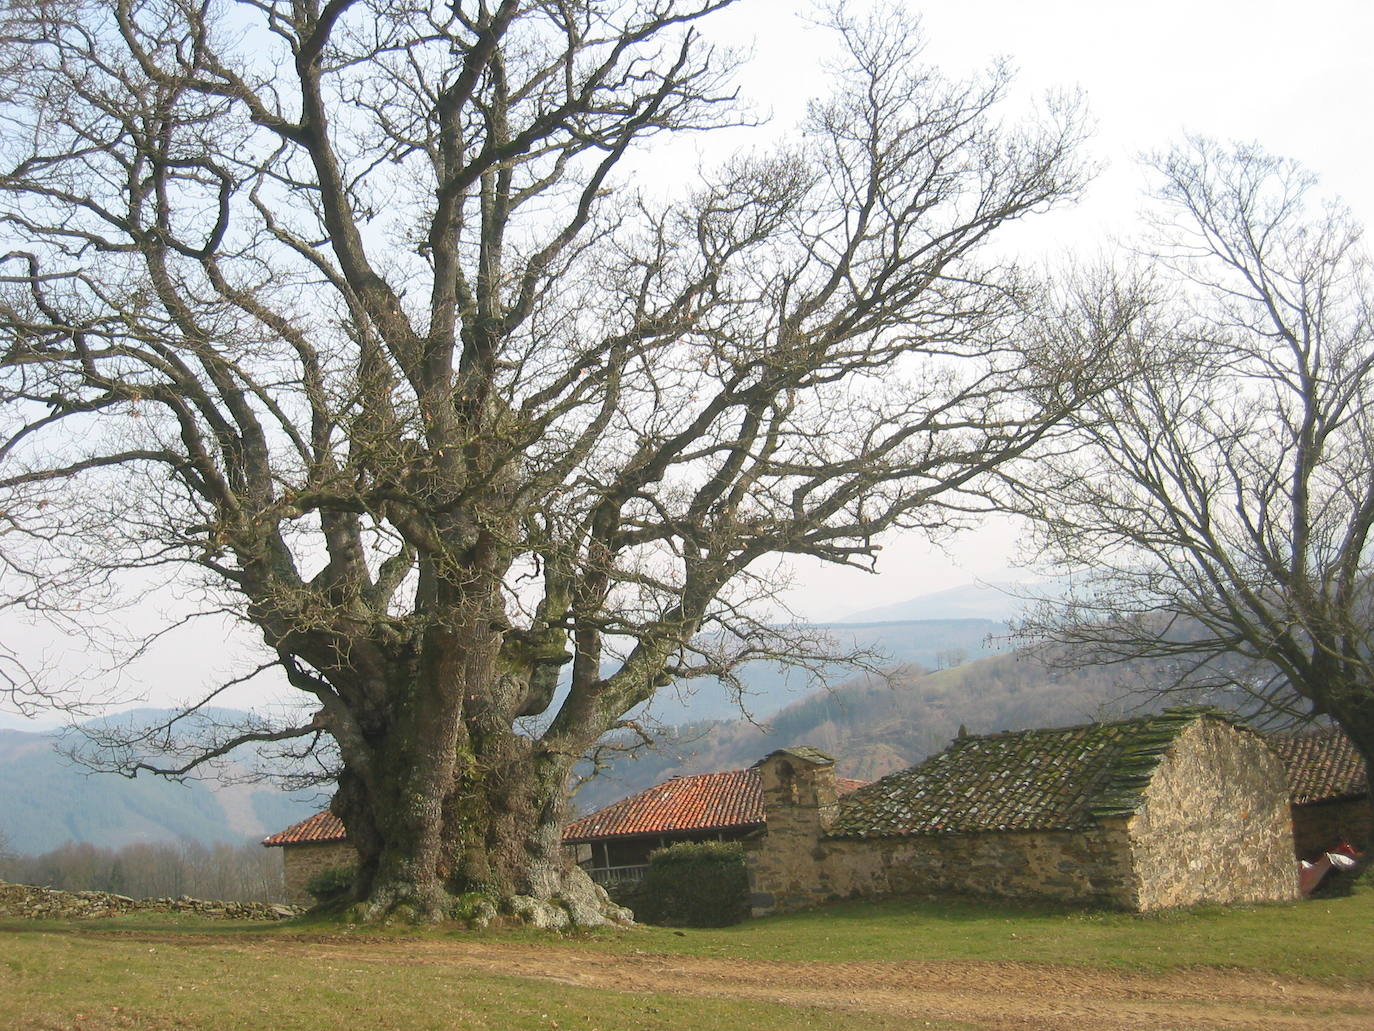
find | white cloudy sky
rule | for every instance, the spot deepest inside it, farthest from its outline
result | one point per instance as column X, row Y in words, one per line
column 1295, row 78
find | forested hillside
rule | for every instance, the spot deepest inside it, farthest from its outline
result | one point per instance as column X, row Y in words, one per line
column 928, row 643
column 874, row 727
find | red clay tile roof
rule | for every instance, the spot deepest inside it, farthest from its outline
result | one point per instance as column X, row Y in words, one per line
column 702, row 802
column 1322, row 765
column 321, row 827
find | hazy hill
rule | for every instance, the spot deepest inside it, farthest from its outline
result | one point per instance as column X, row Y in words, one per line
column 929, row 643
column 875, row 727
column 47, row 801
column 999, row 601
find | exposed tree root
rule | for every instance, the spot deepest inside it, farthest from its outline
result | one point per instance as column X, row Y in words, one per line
column 574, row 902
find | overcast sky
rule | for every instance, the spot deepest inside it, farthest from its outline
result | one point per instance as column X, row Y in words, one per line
column 1297, row 80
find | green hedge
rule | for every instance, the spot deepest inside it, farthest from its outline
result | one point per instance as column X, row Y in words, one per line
column 331, row 883
column 694, row 884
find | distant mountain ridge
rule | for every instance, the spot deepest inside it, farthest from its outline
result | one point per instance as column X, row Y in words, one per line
column 872, row 725
column 999, row 601
column 928, row 643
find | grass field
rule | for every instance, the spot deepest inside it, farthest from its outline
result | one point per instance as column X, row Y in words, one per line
column 154, row 973
column 1316, row 939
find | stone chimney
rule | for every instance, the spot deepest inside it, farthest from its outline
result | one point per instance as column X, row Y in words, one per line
column 798, row 790
column 799, row 805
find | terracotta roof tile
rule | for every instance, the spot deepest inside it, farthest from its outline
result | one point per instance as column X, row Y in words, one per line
column 321, row 827
column 1054, row 779
column 705, row 801
column 701, row 802
column 1323, row 765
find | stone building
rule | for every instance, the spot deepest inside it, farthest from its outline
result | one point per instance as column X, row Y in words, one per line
column 613, row 844
column 1138, row 814
column 1328, row 791
column 316, row 843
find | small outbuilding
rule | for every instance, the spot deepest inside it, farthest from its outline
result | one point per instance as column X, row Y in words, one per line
column 1328, row 791
column 312, row 846
column 1138, row 814
column 613, row 843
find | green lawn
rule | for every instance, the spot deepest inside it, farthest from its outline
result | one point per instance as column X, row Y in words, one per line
column 180, row 978
column 1318, row 938
column 163, row 973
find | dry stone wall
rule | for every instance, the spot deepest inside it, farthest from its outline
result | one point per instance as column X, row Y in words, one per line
column 34, row 903
column 1090, row 868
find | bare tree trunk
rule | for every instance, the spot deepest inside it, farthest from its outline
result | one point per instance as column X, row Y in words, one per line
column 491, row 843
column 459, row 811
column 1354, row 714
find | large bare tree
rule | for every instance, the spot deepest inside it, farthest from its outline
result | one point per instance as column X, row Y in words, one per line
column 351, row 312
column 1217, row 517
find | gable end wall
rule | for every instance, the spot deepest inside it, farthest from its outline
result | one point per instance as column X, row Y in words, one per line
column 1215, row 824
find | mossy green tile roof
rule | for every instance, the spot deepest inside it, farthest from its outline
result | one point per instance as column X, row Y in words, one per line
column 806, row 753
column 1063, row 778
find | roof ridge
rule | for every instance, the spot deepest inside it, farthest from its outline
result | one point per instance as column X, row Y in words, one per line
column 1130, row 775
column 1190, row 711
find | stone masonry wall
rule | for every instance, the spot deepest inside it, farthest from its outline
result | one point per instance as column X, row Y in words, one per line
column 1090, row 868
column 785, row 866
column 305, row 860
column 30, row 902
column 1215, row 824
column 1324, row 825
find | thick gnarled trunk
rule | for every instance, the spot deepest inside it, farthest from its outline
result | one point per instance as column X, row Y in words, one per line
column 455, row 814
column 492, row 845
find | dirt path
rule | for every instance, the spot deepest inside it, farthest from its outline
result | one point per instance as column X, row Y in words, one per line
column 985, row 995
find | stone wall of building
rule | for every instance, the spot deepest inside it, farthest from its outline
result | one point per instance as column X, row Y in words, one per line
column 1324, row 825
column 1088, row 868
column 794, row 865
column 1215, row 824
column 303, row 861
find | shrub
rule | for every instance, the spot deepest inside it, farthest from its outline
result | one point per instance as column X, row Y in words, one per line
column 330, row 883
column 629, row 894
column 695, row 884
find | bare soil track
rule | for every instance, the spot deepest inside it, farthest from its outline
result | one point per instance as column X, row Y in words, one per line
column 984, row 995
